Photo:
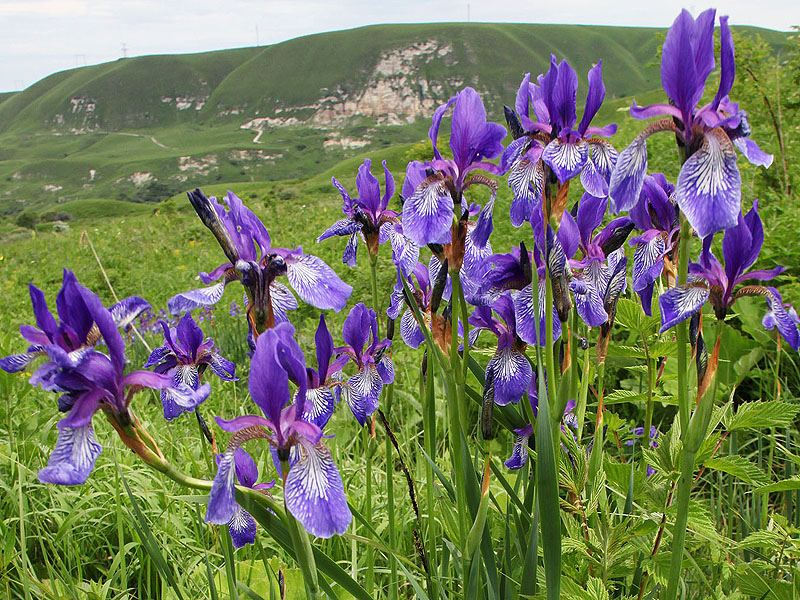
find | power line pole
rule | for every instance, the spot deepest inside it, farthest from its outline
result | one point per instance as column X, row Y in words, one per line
column 124, row 50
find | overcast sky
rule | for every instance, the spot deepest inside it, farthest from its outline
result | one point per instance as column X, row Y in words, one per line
column 39, row 37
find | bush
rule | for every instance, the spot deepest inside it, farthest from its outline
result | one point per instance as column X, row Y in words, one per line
column 27, row 220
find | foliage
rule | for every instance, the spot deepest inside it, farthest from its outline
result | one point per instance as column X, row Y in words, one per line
column 608, row 518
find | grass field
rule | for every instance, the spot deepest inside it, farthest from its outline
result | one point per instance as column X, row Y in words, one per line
column 99, row 541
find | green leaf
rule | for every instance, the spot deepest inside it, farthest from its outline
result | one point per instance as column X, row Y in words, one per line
column 631, row 316
column 547, row 485
column 759, row 415
column 625, row 396
column 740, row 467
column 786, row 485
column 148, row 540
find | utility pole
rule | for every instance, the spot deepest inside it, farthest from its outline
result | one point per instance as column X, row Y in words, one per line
column 124, row 50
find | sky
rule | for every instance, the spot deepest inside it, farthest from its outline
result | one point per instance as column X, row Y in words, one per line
column 40, row 37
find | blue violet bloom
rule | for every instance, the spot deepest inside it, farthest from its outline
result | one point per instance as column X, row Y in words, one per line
column 256, row 264
column 709, row 183
column 312, row 488
column 184, row 356
column 710, row 281
column 368, row 217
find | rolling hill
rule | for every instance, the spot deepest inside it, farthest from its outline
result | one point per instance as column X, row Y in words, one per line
column 141, row 129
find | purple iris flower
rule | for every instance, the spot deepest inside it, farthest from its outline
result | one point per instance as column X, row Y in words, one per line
column 638, row 432
column 89, row 380
column 422, row 282
column 313, row 489
column 710, row 281
column 74, row 335
column 255, row 263
column 325, row 383
column 770, row 319
column 709, row 183
column 242, row 526
column 476, row 245
column 508, row 372
column 374, row 367
column 519, row 454
column 552, row 139
column 655, row 215
column 513, row 271
column 184, row 356
column 369, row 217
column 601, row 256
column 428, row 211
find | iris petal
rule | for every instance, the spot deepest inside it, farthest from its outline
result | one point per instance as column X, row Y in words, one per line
column 679, row 303
column 73, row 457
column 242, row 527
column 314, row 492
column 428, row 213
column 315, row 282
column 566, row 158
column 512, row 374
column 709, row 185
column 187, row 301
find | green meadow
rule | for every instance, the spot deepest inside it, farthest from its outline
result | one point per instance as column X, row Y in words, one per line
column 131, row 533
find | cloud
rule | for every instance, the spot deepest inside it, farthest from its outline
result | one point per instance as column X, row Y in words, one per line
column 44, row 8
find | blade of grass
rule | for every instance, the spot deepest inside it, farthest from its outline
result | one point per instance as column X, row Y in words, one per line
column 149, row 542
column 212, row 587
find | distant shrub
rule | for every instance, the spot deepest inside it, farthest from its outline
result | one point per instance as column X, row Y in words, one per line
column 60, row 227
column 287, row 194
column 56, row 215
column 419, row 151
column 27, row 220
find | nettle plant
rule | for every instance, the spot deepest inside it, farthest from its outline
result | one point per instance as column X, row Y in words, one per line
column 565, row 498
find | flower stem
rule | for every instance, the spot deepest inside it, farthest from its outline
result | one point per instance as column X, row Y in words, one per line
column 368, row 449
column 692, row 439
column 458, row 410
column 682, row 331
column 427, row 392
column 648, row 419
column 583, row 393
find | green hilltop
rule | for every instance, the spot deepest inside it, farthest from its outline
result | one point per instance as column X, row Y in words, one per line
column 142, row 129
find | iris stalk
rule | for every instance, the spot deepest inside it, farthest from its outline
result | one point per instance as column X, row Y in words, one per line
column 692, row 439
column 682, row 329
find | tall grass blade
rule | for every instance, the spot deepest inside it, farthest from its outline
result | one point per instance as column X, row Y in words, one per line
column 277, row 530
column 212, row 586
column 148, row 540
column 547, row 483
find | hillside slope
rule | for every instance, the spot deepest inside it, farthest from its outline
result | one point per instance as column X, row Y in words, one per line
column 144, row 128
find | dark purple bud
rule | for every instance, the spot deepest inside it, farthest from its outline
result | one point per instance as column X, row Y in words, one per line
column 525, row 263
column 208, row 215
column 513, row 123
column 694, row 328
column 438, row 287
column 701, row 359
column 204, row 427
column 390, row 329
column 487, row 410
column 617, row 238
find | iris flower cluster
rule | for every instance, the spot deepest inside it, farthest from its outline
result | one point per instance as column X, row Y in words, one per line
column 578, row 251
column 86, row 379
